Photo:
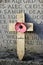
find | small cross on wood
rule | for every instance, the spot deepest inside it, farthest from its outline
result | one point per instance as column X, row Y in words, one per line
column 20, row 36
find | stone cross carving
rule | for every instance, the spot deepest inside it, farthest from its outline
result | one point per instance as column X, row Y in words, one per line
column 20, row 35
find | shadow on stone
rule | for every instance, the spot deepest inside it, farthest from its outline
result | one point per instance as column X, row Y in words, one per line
column 38, row 28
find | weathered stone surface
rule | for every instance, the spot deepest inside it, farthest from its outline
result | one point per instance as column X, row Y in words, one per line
column 34, row 40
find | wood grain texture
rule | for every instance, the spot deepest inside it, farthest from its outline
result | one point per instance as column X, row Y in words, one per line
column 30, row 26
column 20, row 42
column 20, row 48
column 12, row 26
column 20, row 17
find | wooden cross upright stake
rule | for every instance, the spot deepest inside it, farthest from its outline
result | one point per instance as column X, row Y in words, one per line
column 20, row 36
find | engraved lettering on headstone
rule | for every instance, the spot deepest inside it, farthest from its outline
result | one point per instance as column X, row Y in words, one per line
column 41, row 1
column 7, row 1
column 28, row 6
column 0, row 1
column 29, row 1
column 1, row 16
column 17, row 1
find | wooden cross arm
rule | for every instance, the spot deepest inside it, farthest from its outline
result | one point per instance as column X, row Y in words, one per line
column 12, row 26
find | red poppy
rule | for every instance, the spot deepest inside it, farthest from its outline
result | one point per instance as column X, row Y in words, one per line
column 20, row 27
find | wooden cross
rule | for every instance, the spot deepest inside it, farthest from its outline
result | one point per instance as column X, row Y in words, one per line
column 20, row 36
